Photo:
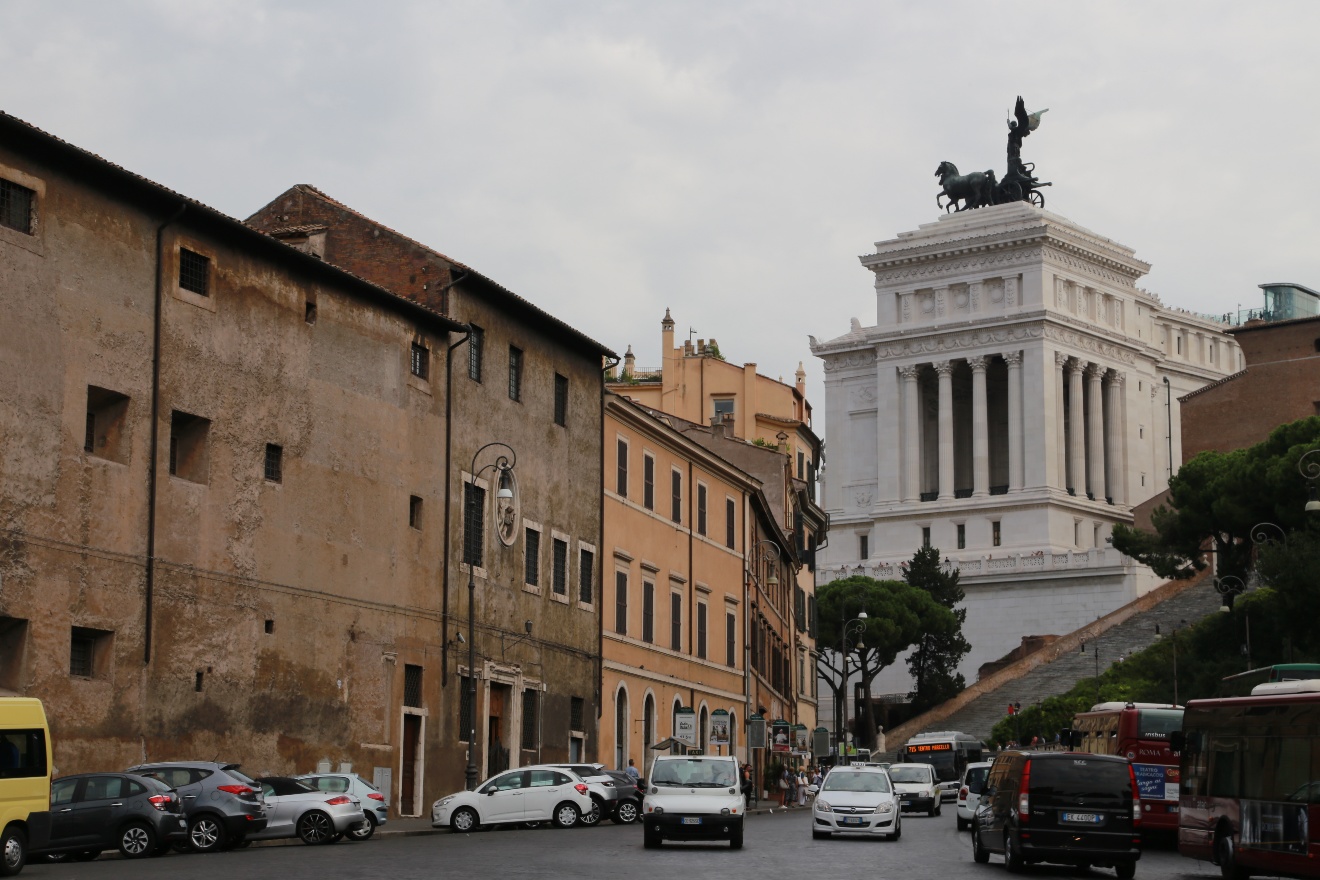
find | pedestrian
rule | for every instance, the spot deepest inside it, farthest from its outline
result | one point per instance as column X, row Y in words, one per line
column 802, row 787
column 632, row 770
column 785, row 786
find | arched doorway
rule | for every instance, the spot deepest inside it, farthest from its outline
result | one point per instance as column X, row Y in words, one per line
column 621, row 728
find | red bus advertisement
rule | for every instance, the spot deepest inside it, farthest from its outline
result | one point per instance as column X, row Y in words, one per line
column 1139, row 732
column 1250, row 768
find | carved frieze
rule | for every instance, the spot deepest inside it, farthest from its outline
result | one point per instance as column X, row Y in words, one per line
column 953, row 342
column 1089, row 343
column 862, row 397
column 849, row 361
column 958, row 267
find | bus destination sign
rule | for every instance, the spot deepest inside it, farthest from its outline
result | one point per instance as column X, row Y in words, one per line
column 929, row 747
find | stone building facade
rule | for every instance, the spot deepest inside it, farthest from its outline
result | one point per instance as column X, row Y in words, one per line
column 1017, row 395
column 527, row 380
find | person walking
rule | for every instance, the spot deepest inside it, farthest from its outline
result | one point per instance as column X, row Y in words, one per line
column 802, row 787
column 785, row 787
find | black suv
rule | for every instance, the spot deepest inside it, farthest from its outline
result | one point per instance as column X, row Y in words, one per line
column 92, row 812
column 1070, row 808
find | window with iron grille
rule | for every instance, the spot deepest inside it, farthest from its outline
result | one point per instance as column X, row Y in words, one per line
column 420, row 362
column 464, row 708
column 648, row 482
column 560, row 573
column 194, row 272
column 676, row 621
column 676, row 496
column 586, row 574
column 621, row 603
column 576, row 707
column 532, row 561
column 474, row 523
column 621, row 483
column 701, row 509
column 529, row 709
column 412, row 686
column 648, row 612
column 730, row 639
column 476, row 343
column 515, row 373
column 561, row 400
column 730, row 527
column 701, row 630
column 16, row 206
column 82, row 650
column 89, row 435
column 274, row 467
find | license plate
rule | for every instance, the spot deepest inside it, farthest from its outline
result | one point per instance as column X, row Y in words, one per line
column 1173, row 808
column 907, row 803
column 850, row 821
column 1084, row 818
column 691, row 820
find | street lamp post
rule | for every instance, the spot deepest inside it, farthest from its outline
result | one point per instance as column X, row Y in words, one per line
column 504, row 466
column 855, row 626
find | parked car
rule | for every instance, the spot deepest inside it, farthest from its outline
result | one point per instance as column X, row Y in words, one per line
column 605, row 793
column 969, row 792
column 628, row 806
column 222, row 805
column 296, row 809
column 374, row 806
column 1070, row 808
column 542, row 794
column 92, row 812
column 856, row 800
column 691, row 797
column 917, row 787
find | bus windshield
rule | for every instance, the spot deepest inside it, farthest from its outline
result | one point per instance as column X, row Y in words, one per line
column 1158, row 723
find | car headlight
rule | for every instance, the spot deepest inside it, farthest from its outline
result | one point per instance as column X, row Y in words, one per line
column 444, row 800
column 886, row 807
column 823, row 806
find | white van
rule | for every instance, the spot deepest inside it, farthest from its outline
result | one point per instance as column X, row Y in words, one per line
column 693, row 797
column 24, row 781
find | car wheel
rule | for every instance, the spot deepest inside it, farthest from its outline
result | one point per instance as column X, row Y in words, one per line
column 363, row 831
column 137, row 841
column 1227, row 852
column 206, row 834
column 962, row 824
column 736, row 838
column 626, row 813
column 979, row 854
column 13, row 851
column 650, row 839
column 464, row 820
column 1013, row 856
column 592, row 816
column 566, row 815
column 1126, row 870
column 315, row 828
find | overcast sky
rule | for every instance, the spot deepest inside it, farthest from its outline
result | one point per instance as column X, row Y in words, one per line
column 726, row 160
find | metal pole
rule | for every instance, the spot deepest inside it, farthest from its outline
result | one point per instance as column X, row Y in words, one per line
column 1175, row 666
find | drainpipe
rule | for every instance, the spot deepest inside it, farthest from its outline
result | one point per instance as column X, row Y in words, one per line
column 152, row 464
column 1168, row 400
column 449, row 448
column 600, row 559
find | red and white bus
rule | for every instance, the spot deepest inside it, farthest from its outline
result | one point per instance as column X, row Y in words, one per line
column 1139, row 732
column 1251, row 781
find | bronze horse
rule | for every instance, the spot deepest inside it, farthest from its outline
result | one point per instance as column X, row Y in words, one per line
column 975, row 189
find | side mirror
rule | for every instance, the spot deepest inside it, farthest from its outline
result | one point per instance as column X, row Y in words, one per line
column 490, row 793
column 1177, row 740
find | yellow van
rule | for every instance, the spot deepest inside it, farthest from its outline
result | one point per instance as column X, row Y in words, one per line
column 24, row 781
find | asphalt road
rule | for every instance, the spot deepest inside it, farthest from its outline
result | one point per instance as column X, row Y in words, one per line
column 778, row 845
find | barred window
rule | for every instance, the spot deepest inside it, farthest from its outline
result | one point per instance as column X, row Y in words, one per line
column 560, row 572
column 81, row 651
column 586, row 574
column 274, row 468
column 576, row 713
column 194, row 271
column 529, row 720
column 476, row 344
column 532, row 562
column 515, row 373
column 474, row 523
column 420, row 362
column 412, row 686
column 16, row 206
column 561, row 400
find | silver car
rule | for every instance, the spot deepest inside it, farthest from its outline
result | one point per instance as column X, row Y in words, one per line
column 373, row 801
column 295, row 809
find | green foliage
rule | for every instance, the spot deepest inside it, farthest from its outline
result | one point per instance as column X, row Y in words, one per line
column 934, row 664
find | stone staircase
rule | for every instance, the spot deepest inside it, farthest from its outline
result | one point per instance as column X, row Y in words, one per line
column 1057, row 667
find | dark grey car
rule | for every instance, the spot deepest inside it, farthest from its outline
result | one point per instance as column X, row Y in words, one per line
column 222, row 805
column 92, row 812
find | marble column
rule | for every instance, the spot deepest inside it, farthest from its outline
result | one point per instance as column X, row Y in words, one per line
column 1014, row 361
column 1095, row 430
column 944, row 369
column 911, row 435
column 1116, row 456
column 1076, row 427
column 980, row 430
column 1061, row 367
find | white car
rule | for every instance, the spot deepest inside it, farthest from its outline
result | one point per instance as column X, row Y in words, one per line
column 856, row 800
column 969, row 792
column 917, row 787
column 295, row 809
column 373, row 801
column 542, row 794
column 693, row 797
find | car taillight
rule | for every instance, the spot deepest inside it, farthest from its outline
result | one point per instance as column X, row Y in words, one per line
column 377, row 796
column 1136, row 797
column 581, row 788
column 1024, row 796
column 337, row 801
column 962, row 793
column 160, row 801
column 239, row 790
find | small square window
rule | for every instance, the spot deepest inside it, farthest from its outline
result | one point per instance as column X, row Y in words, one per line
column 89, row 652
column 420, row 361
column 414, row 512
column 270, row 627
column 515, row 373
column 723, row 409
column 274, row 463
column 561, row 400
column 105, row 428
column 309, row 311
column 16, row 206
column 194, row 272
column 188, row 446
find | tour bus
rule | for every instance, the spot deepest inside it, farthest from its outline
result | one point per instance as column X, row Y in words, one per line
column 24, row 781
column 1250, row 793
column 1240, row 685
column 948, row 751
column 1139, row 732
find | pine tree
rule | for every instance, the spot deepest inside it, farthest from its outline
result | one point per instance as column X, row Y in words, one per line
column 934, row 663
